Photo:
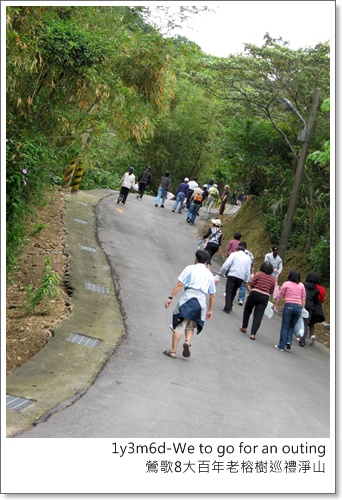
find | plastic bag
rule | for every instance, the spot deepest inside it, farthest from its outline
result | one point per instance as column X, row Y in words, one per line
column 216, row 279
column 269, row 310
column 136, row 187
column 170, row 196
column 299, row 328
column 276, row 291
column 304, row 313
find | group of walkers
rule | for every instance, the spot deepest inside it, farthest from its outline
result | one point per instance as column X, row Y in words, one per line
column 302, row 300
column 127, row 184
column 238, row 269
column 190, row 195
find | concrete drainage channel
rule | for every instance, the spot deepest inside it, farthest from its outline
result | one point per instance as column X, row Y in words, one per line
column 82, row 343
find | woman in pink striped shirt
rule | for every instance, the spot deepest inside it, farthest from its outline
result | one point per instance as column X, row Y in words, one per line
column 293, row 291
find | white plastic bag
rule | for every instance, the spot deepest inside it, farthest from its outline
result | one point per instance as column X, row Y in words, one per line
column 136, row 187
column 269, row 310
column 304, row 313
column 216, row 279
column 299, row 328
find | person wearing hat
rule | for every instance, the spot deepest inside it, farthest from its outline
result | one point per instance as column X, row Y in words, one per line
column 213, row 197
column 143, row 181
column 127, row 182
column 181, row 194
column 214, row 237
column 237, row 271
column 195, row 204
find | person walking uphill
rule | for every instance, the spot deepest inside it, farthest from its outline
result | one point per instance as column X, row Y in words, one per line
column 214, row 237
column 293, row 291
column 182, row 193
column 213, row 197
column 164, row 187
column 314, row 307
column 275, row 260
column 262, row 285
column 191, row 309
column 224, row 199
column 127, row 182
column 237, row 270
column 233, row 244
column 143, row 181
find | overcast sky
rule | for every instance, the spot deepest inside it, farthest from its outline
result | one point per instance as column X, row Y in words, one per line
column 301, row 23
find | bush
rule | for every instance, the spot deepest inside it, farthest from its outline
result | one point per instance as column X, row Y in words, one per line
column 29, row 167
column 97, row 178
column 319, row 258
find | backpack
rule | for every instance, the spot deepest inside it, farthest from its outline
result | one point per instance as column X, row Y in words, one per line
column 197, row 198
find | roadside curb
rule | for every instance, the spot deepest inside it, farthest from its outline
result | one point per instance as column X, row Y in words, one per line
column 63, row 370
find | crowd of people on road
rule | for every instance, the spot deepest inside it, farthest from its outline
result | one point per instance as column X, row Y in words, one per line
column 303, row 301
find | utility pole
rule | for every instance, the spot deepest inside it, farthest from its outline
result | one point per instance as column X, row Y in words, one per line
column 285, row 235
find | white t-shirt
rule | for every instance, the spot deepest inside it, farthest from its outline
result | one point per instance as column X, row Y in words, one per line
column 192, row 185
column 199, row 277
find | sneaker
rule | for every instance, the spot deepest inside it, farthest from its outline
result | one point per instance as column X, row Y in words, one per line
column 252, row 337
column 119, row 199
column 240, row 303
column 277, row 347
column 288, row 346
column 137, row 196
column 162, row 206
column 156, row 205
column 173, row 210
column 179, row 212
column 312, row 339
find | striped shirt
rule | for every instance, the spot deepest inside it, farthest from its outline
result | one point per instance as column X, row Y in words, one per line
column 263, row 282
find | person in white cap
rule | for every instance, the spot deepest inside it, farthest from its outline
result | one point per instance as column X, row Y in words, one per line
column 214, row 237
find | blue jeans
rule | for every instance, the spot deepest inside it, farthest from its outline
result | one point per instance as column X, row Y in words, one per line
column 291, row 314
column 162, row 193
column 242, row 293
column 179, row 199
column 193, row 210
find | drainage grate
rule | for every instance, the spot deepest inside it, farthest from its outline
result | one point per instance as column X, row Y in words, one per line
column 80, row 221
column 77, row 338
column 96, row 288
column 16, row 403
column 89, row 249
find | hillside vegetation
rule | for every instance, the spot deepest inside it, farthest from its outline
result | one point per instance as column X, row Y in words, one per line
column 248, row 221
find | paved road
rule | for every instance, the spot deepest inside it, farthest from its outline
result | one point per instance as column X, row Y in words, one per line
column 229, row 387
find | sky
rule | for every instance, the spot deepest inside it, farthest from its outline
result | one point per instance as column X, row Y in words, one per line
column 301, row 23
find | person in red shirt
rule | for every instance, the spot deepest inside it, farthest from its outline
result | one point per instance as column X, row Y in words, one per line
column 262, row 285
column 233, row 244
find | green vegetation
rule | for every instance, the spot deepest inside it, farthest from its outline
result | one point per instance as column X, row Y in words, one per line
column 101, row 83
column 47, row 288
